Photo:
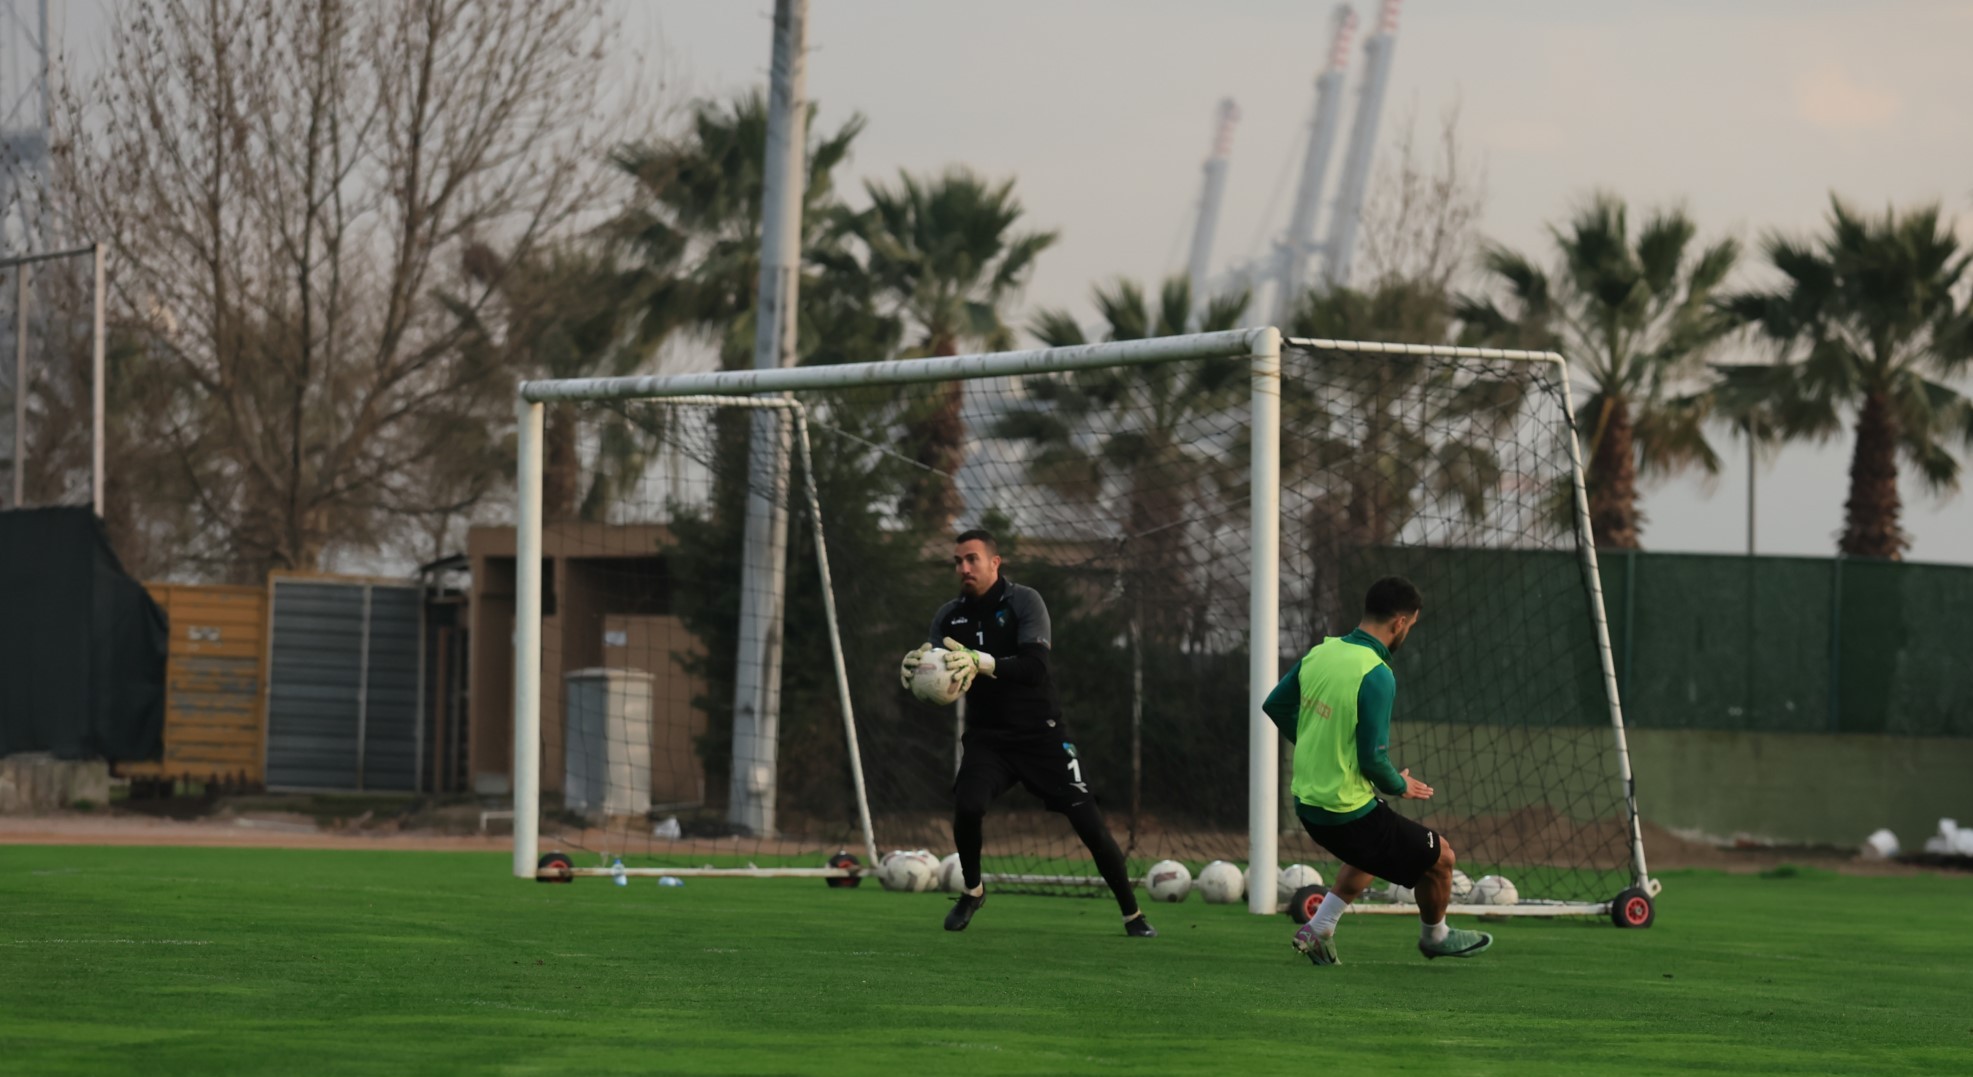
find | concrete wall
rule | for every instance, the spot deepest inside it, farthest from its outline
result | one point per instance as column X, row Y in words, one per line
column 1808, row 788
column 33, row 782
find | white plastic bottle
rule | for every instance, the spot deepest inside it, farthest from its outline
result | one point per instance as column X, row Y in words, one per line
column 616, row 872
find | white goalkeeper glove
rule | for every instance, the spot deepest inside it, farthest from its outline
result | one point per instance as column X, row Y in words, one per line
column 965, row 664
column 909, row 666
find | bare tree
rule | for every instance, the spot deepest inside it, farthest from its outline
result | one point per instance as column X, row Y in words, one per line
column 1420, row 219
column 291, row 190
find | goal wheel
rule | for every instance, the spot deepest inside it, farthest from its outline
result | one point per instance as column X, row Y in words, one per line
column 1633, row 908
column 844, row 860
column 555, row 862
column 1301, row 907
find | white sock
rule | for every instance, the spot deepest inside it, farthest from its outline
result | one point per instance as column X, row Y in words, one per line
column 1328, row 913
column 1432, row 932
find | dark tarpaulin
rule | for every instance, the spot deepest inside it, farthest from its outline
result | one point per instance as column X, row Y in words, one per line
column 82, row 645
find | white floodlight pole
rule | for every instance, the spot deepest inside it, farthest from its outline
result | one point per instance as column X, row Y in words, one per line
column 96, row 388
column 20, row 390
column 1264, row 623
column 757, row 679
column 527, row 641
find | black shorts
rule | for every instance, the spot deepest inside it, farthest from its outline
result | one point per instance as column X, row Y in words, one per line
column 1047, row 768
column 1383, row 843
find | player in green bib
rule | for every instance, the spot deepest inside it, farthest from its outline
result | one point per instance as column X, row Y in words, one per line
column 1335, row 708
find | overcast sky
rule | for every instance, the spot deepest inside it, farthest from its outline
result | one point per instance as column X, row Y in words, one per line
column 1748, row 113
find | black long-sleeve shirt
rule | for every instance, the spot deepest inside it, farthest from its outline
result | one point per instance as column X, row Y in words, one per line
column 1009, row 622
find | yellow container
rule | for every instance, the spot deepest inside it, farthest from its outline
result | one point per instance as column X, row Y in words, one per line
column 215, row 712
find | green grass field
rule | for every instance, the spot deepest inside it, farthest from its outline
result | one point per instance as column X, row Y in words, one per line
column 230, row 961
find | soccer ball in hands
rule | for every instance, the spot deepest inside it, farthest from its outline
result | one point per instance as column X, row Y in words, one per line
column 1168, row 880
column 907, row 870
column 1221, row 883
column 1293, row 878
column 951, row 877
column 933, row 683
column 1495, row 890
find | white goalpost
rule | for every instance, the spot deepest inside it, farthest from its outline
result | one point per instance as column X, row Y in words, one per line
column 1145, row 483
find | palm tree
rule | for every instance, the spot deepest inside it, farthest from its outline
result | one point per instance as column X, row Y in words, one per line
column 1635, row 315
column 1152, row 449
column 1866, row 320
column 558, row 314
column 694, row 225
column 1156, row 451
column 946, row 254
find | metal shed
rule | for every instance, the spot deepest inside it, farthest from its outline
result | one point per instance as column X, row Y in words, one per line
column 344, row 709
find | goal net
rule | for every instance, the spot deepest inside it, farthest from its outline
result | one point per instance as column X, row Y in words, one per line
column 729, row 577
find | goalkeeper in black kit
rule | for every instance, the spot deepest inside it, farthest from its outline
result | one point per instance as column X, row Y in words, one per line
column 996, row 636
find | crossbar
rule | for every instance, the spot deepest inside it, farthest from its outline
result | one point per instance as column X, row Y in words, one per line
column 1230, row 344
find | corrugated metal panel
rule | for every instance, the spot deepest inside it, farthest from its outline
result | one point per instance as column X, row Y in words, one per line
column 213, row 723
column 392, row 742
column 343, row 700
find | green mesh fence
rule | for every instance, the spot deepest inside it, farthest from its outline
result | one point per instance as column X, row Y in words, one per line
column 1791, row 645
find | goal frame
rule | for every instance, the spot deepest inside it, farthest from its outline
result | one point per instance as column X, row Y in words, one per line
column 1593, row 587
column 1261, row 348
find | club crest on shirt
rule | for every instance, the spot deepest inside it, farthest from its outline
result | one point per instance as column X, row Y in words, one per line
column 1000, row 618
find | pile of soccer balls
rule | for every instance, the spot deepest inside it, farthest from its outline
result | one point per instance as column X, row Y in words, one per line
column 1218, row 883
column 914, row 871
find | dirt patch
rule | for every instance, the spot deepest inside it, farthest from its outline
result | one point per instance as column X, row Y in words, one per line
column 259, row 824
column 262, row 830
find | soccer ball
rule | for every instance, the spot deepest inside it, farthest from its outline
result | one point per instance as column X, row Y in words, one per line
column 1220, row 883
column 908, row 870
column 932, row 682
column 950, row 878
column 1462, row 887
column 1495, row 890
column 1400, row 895
column 1293, row 878
column 1168, row 880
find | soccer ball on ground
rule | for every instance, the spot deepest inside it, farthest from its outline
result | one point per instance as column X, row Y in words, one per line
column 1462, row 887
column 907, row 870
column 1221, row 883
column 932, row 682
column 1168, row 880
column 951, row 878
column 1495, row 890
column 1400, row 895
column 1293, row 878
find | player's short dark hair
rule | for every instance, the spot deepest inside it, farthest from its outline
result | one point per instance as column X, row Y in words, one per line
column 980, row 535
column 1390, row 597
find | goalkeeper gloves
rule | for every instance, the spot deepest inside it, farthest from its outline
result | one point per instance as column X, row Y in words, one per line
column 965, row 664
column 910, row 664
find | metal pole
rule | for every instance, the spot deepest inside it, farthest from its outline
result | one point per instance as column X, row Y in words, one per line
column 20, row 390
column 835, row 639
column 1750, row 490
column 1593, row 580
column 363, row 686
column 527, row 643
column 757, row 681
column 96, row 390
column 1264, row 623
